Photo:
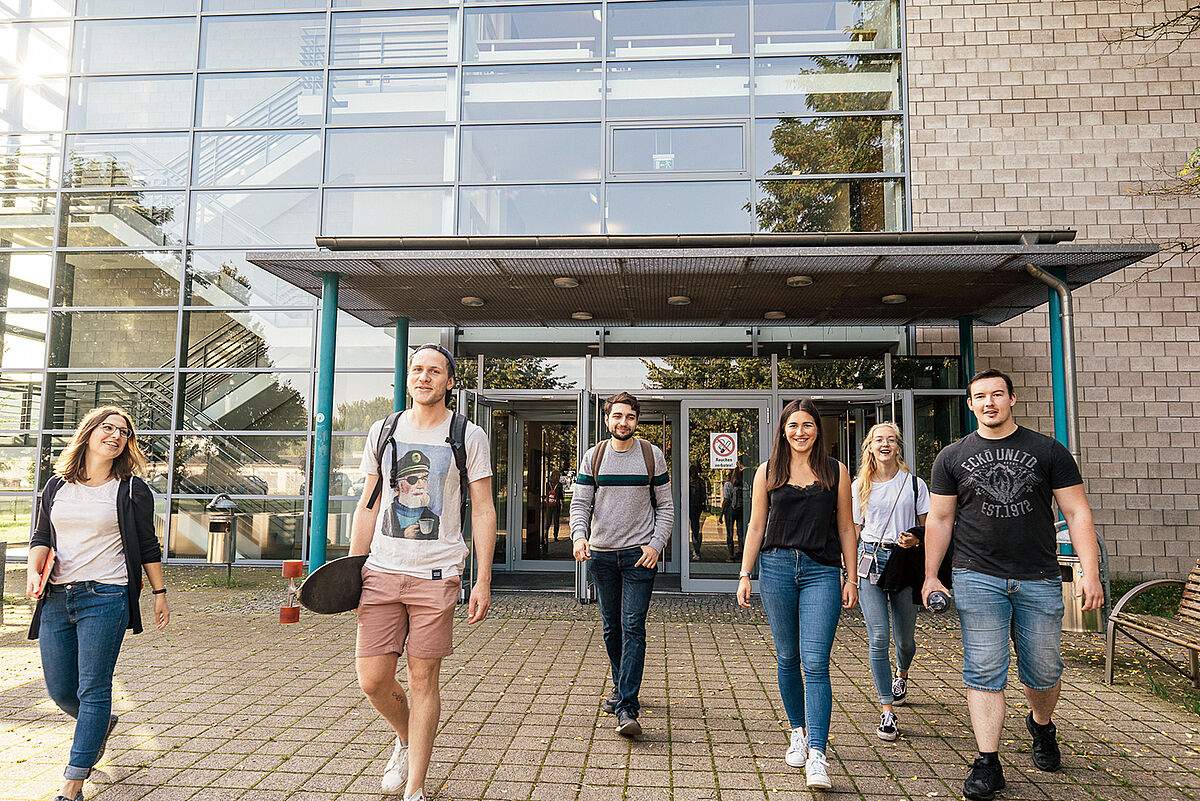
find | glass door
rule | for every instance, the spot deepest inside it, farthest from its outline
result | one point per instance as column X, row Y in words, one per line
column 543, row 458
column 478, row 410
column 846, row 418
column 659, row 425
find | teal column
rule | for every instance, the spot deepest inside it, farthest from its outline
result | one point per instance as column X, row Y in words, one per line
column 400, row 378
column 1058, row 366
column 323, row 435
column 966, row 365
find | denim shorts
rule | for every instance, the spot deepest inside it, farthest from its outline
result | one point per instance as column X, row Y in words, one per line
column 993, row 611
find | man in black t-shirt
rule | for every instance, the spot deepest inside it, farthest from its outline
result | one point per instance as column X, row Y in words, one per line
column 992, row 492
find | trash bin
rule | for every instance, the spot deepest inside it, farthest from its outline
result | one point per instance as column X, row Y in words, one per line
column 1074, row 618
column 222, row 533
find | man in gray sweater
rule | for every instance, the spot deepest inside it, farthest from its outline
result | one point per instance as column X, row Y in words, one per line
column 621, row 518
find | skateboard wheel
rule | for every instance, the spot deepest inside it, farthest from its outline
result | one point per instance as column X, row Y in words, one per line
column 293, row 568
column 289, row 614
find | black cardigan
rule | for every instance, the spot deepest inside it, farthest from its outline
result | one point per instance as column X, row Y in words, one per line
column 135, row 519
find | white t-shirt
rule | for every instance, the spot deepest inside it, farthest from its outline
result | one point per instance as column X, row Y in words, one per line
column 87, row 537
column 418, row 531
column 882, row 523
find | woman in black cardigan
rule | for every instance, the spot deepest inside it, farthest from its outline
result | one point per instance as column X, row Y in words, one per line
column 98, row 518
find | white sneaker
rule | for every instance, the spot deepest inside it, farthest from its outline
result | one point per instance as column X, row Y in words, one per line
column 797, row 752
column 396, row 772
column 419, row 795
column 817, row 770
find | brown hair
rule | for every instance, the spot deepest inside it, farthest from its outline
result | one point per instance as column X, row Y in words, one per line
column 71, row 464
column 983, row 375
column 622, row 397
column 779, row 465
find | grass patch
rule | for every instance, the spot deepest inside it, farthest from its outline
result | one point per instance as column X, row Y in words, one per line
column 1161, row 601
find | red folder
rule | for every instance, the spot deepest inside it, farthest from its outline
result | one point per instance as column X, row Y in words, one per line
column 44, row 576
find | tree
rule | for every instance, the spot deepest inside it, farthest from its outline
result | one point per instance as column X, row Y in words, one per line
column 512, row 373
column 359, row 415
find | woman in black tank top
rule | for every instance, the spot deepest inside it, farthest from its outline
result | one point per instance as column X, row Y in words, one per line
column 802, row 521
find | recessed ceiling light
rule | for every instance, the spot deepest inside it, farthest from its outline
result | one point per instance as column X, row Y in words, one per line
column 799, row 280
column 775, row 315
column 894, row 299
column 678, row 300
column 472, row 301
column 581, row 315
column 566, row 282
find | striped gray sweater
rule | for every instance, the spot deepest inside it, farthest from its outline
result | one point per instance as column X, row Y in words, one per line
column 612, row 510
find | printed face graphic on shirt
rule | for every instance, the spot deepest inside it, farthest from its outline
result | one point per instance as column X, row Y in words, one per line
column 1003, row 478
column 419, row 484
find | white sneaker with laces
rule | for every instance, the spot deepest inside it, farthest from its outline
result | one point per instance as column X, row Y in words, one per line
column 797, row 752
column 817, row 770
column 419, row 795
column 396, row 772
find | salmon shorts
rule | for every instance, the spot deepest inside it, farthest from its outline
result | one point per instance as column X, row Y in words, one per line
column 395, row 609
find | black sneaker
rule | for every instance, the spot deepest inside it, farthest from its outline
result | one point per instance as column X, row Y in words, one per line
column 78, row 797
column 627, row 725
column 609, row 705
column 984, row 781
column 1046, row 755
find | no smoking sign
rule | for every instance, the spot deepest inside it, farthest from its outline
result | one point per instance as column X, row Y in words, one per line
column 722, row 450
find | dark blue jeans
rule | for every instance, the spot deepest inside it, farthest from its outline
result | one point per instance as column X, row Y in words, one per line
column 624, row 593
column 80, row 637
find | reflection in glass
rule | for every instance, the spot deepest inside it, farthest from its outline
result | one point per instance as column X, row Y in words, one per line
column 678, row 89
column 122, row 219
column 24, row 279
column 548, row 455
column 33, row 49
column 18, row 461
column 260, row 5
column 258, row 218
column 925, row 372
column 16, row 520
column 561, row 33
column 394, row 38
column 696, row 207
column 26, row 221
column 130, row 103
column 266, row 529
column 146, row 396
column 35, row 9
column 267, row 100
column 533, row 372
column 790, row 87
column 864, row 372
column 102, row 160
column 155, row 447
column 392, row 98
column 359, row 399
column 117, row 278
column 20, row 401
column 414, row 155
column 613, row 373
column 678, row 28
column 939, row 422
column 225, row 278
column 531, row 153
column 24, row 340
column 789, row 26
column 362, row 345
column 135, row 45
column 678, row 149
column 830, row 205
column 532, row 92
column 384, row 212
column 248, row 159
column 345, row 456
column 30, row 161
column 113, row 340
column 133, row 8
column 340, row 518
column 515, row 210
column 37, row 106
column 245, row 401
column 833, row 145
column 243, row 339
column 725, row 495
column 267, row 41
column 253, row 464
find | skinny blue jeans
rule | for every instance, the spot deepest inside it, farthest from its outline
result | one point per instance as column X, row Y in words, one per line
column 624, row 590
column 889, row 615
column 803, row 599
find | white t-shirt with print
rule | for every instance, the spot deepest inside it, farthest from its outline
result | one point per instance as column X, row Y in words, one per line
column 882, row 523
column 418, row 531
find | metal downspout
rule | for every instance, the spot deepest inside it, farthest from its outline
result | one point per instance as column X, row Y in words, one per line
column 1067, row 326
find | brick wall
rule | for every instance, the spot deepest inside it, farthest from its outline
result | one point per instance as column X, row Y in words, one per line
column 1031, row 115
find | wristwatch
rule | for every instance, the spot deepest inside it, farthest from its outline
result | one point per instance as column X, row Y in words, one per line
column 743, row 574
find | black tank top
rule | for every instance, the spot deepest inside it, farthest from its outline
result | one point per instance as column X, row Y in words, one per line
column 805, row 519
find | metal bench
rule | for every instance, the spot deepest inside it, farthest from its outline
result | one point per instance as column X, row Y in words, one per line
column 1183, row 629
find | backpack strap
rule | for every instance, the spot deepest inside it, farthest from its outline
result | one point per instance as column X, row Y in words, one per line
column 648, row 457
column 388, row 431
column 458, row 445
column 597, row 458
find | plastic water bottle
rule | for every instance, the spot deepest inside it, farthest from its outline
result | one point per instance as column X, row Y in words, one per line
column 938, row 602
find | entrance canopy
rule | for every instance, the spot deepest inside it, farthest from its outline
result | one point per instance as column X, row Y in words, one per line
column 753, row 279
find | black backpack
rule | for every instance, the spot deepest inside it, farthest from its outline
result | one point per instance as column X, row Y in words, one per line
column 458, row 445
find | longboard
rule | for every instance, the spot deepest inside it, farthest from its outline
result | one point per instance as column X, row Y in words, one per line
column 334, row 586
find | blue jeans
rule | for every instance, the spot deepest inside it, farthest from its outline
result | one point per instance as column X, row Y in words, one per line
column 993, row 610
column 803, row 599
column 82, row 626
column 889, row 615
column 624, row 593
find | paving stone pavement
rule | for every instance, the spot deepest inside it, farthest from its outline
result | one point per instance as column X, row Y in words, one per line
column 228, row 704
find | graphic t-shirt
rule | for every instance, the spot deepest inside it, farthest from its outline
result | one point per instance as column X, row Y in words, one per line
column 419, row 531
column 1004, row 526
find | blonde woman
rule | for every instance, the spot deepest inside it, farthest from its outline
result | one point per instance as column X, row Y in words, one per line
column 99, row 519
column 888, row 501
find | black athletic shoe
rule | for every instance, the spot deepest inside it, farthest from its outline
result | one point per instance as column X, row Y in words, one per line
column 627, row 725
column 609, row 705
column 1046, row 755
column 984, row 781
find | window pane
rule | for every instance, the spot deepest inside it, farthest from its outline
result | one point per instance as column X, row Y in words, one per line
column 239, row 465
column 559, row 33
column 392, row 3
column 263, row 42
column 266, row 529
column 225, row 278
column 156, row 448
column 122, row 219
column 26, row 221
column 35, row 9
column 516, row 210
column 245, row 401
column 16, row 520
column 683, row 28
column 696, row 207
column 20, row 400
column 33, row 49
column 95, row 160
column 835, row 145
column 830, row 205
column 864, row 372
column 131, row 103
column 24, row 345
column 925, row 372
column 18, row 461
column 362, row 345
column 386, row 98
column 257, row 159
column 535, row 92
column 29, row 161
column 415, row 155
column 269, row 100
column 789, row 26
column 243, row 339
column 133, row 8
column 678, row 149
column 679, row 89
column 147, row 396
column 40, row 106
column 260, row 218
column 790, row 87
column 135, row 45
column 260, row 5
column 359, row 399
column 394, row 38
column 114, row 340
column 938, row 422
column 25, row 277
column 531, row 153
column 389, row 212
column 116, row 278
